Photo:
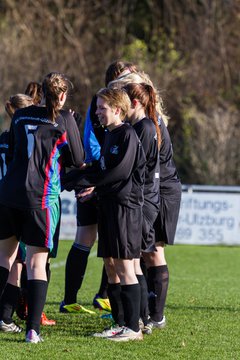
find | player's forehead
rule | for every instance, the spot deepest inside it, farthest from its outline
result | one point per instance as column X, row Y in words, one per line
column 102, row 102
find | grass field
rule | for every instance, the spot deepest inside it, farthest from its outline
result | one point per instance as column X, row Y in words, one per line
column 202, row 313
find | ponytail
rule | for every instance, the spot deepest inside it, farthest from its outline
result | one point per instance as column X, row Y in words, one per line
column 17, row 101
column 151, row 111
column 34, row 90
column 53, row 85
column 146, row 95
column 9, row 108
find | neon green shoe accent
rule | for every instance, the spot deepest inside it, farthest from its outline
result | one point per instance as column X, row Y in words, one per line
column 104, row 304
column 76, row 308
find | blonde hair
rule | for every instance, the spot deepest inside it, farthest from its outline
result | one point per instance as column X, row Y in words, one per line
column 17, row 101
column 141, row 77
column 116, row 98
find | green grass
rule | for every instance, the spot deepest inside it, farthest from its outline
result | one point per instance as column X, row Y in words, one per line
column 202, row 313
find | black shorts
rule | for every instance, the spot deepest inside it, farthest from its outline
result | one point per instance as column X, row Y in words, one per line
column 166, row 222
column 119, row 231
column 87, row 212
column 150, row 214
column 35, row 227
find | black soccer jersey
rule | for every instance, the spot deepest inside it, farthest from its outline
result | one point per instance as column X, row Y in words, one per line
column 168, row 171
column 38, row 149
column 146, row 132
column 120, row 173
column 4, row 141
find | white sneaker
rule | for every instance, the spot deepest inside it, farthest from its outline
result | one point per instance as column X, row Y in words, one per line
column 113, row 330
column 33, row 337
column 14, row 328
column 158, row 324
column 147, row 329
column 127, row 334
column 141, row 324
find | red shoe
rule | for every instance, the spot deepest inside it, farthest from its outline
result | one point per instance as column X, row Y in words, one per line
column 45, row 321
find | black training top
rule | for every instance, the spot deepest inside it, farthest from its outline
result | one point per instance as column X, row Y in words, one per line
column 146, row 132
column 168, row 172
column 119, row 174
column 38, row 149
column 4, row 140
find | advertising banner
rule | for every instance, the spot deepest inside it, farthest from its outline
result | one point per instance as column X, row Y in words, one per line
column 209, row 219
column 208, row 216
column 68, row 218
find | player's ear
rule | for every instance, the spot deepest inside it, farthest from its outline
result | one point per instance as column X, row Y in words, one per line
column 134, row 103
column 117, row 111
column 62, row 96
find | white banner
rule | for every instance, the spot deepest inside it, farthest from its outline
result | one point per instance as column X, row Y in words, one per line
column 209, row 219
column 206, row 218
column 68, row 218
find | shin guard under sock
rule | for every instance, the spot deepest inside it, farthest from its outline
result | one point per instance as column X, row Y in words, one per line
column 144, row 311
column 3, row 279
column 114, row 294
column 75, row 270
column 37, row 293
column 48, row 272
column 158, row 277
column 130, row 295
column 102, row 292
column 9, row 302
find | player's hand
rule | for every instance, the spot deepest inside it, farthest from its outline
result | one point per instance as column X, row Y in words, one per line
column 85, row 194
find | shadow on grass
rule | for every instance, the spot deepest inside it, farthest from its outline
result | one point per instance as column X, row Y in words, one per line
column 87, row 303
column 12, row 338
column 169, row 306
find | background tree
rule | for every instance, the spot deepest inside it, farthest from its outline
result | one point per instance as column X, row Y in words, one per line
column 189, row 48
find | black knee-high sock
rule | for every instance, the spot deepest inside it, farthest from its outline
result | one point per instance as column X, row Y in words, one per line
column 158, row 279
column 21, row 306
column 37, row 293
column 75, row 270
column 9, row 302
column 143, row 267
column 3, row 279
column 144, row 311
column 48, row 272
column 130, row 295
column 102, row 292
column 114, row 294
column 24, row 278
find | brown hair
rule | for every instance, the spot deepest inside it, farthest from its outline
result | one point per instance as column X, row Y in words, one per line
column 146, row 95
column 116, row 98
column 34, row 89
column 53, row 85
column 116, row 68
column 17, row 101
column 141, row 77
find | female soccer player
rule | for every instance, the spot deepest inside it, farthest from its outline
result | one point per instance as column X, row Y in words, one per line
column 43, row 139
column 76, row 264
column 119, row 184
column 165, row 228
column 142, row 116
column 166, row 222
column 10, row 296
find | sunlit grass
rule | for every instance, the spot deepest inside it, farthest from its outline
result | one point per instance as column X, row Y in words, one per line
column 202, row 313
